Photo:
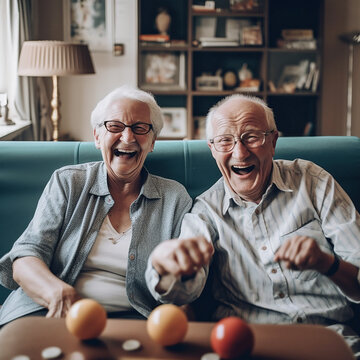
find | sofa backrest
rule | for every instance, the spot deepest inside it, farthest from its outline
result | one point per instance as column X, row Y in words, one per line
column 25, row 168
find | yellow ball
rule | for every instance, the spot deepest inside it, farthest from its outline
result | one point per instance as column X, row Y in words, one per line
column 167, row 325
column 86, row 319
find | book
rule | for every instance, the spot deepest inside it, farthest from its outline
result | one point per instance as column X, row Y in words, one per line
column 297, row 44
column 297, row 34
column 315, row 81
column 309, row 79
column 154, row 38
column 219, row 43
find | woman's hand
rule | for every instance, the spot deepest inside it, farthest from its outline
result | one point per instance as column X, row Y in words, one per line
column 181, row 256
column 39, row 283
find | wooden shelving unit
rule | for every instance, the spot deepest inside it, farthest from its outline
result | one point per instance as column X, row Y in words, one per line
column 294, row 111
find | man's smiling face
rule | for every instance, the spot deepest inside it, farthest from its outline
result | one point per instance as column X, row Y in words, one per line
column 124, row 153
column 246, row 171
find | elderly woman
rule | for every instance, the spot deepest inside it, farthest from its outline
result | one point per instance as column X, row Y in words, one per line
column 96, row 223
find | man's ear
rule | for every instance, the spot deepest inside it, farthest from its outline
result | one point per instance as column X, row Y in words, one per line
column 96, row 138
column 274, row 140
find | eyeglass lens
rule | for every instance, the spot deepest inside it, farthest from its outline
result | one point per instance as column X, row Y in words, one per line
column 137, row 128
column 251, row 139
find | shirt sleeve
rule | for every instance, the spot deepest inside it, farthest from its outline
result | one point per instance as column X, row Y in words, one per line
column 179, row 290
column 40, row 237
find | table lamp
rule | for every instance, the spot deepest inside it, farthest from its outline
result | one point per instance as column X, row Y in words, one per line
column 352, row 39
column 54, row 58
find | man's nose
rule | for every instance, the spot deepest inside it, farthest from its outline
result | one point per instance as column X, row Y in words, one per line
column 240, row 150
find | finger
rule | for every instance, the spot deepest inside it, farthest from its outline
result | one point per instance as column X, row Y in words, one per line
column 185, row 262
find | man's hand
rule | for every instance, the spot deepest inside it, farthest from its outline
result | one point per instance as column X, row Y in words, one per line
column 181, row 256
column 303, row 253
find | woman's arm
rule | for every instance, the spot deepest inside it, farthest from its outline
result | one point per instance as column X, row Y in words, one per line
column 39, row 283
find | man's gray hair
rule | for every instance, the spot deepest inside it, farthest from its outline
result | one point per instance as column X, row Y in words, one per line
column 268, row 111
column 128, row 92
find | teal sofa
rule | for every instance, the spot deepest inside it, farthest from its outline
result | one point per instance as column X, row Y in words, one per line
column 25, row 168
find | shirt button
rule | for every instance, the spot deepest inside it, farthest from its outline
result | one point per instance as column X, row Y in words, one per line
column 263, row 248
column 281, row 295
column 299, row 320
column 132, row 257
column 274, row 271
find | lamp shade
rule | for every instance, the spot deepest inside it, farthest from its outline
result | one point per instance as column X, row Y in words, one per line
column 49, row 58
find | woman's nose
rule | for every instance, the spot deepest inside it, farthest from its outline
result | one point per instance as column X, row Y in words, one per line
column 127, row 135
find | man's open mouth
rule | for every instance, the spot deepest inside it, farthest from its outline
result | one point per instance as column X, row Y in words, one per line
column 242, row 170
column 130, row 154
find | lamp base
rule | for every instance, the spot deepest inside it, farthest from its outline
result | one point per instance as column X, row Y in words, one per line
column 55, row 104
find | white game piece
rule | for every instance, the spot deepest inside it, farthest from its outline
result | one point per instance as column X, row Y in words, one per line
column 210, row 356
column 131, row 345
column 52, row 352
column 21, row 357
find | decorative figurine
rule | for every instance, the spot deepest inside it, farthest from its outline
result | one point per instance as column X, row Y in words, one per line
column 163, row 21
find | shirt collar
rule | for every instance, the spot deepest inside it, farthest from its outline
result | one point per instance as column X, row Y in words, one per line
column 276, row 180
column 148, row 189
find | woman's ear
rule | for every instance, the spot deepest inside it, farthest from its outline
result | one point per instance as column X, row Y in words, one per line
column 96, row 137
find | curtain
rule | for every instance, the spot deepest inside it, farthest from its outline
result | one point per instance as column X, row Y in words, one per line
column 26, row 95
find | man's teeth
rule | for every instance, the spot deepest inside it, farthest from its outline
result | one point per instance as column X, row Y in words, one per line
column 242, row 170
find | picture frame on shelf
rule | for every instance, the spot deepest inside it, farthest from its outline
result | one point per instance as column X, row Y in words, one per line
column 209, row 83
column 251, row 35
column 163, row 71
column 89, row 22
column 175, row 123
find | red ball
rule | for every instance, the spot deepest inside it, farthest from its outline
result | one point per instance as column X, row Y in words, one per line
column 231, row 338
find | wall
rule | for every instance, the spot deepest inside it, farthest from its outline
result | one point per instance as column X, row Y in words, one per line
column 340, row 17
column 80, row 94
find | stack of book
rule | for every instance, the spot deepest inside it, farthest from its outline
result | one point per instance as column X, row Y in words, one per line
column 300, row 39
column 218, row 42
column 154, row 39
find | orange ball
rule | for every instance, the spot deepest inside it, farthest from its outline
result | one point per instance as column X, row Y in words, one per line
column 167, row 325
column 86, row 319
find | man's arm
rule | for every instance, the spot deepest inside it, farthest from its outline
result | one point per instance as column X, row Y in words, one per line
column 39, row 283
column 303, row 253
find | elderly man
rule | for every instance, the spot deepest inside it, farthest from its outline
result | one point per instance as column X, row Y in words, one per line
column 285, row 236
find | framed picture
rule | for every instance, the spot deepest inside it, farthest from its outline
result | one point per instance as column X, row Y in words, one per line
column 89, row 22
column 251, row 35
column 163, row 71
column 209, row 83
column 174, row 123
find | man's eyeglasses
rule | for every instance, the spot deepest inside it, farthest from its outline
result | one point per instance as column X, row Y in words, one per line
column 251, row 139
column 138, row 128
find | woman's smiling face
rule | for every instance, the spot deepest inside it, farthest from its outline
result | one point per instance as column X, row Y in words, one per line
column 124, row 153
column 246, row 170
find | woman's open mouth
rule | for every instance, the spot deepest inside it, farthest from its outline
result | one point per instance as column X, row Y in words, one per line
column 129, row 154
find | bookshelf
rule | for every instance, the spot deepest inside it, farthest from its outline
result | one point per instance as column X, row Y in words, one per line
column 267, row 48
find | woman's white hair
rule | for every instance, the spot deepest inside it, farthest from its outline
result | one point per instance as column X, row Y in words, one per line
column 268, row 112
column 128, row 92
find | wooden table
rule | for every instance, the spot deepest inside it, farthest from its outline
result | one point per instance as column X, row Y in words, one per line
column 30, row 335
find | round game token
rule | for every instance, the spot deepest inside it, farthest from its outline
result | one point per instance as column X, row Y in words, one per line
column 131, row 345
column 20, row 357
column 210, row 356
column 52, row 352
